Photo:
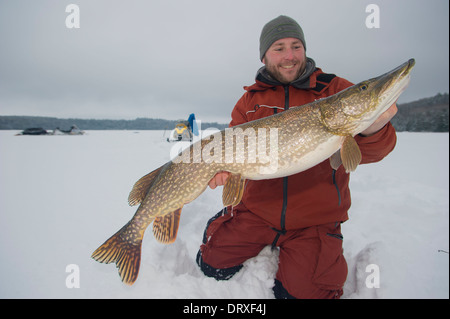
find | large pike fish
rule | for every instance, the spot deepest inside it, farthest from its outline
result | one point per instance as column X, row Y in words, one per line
column 275, row 146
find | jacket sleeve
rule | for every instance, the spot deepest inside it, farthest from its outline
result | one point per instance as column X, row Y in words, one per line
column 376, row 147
column 239, row 115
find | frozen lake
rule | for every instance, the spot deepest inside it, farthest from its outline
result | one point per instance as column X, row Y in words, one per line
column 63, row 196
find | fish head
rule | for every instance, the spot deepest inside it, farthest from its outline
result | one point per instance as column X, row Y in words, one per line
column 358, row 106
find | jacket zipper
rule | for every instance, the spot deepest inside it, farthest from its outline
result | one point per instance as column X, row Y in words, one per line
column 285, row 179
column 337, row 187
column 285, row 184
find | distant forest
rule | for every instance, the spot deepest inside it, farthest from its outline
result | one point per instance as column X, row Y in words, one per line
column 50, row 123
column 424, row 115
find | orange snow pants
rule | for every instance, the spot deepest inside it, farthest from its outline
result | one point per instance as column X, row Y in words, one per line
column 311, row 261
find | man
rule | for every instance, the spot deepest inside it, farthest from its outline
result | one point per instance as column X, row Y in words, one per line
column 300, row 214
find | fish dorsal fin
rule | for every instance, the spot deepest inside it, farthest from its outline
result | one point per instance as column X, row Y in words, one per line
column 233, row 190
column 335, row 160
column 141, row 187
column 350, row 154
column 165, row 228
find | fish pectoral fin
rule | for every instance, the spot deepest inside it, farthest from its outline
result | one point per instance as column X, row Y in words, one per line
column 165, row 228
column 233, row 190
column 141, row 187
column 350, row 154
column 335, row 160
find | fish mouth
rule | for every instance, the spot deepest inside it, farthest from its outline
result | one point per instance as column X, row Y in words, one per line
column 404, row 73
column 395, row 82
column 407, row 66
column 398, row 73
column 411, row 63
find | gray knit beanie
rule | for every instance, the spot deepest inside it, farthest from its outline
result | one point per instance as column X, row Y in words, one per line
column 279, row 28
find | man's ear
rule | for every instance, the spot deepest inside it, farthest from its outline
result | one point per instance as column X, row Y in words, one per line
column 264, row 59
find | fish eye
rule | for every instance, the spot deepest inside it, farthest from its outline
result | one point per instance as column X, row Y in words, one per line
column 363, row 87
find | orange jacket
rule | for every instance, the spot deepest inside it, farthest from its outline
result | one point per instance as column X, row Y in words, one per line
column 315, row 196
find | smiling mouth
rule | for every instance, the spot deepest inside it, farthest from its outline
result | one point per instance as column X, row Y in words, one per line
column 287, row 66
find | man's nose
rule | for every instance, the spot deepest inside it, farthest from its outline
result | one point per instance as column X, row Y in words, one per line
column 289, row 54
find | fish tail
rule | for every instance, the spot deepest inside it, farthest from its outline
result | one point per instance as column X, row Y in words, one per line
column 126, row 254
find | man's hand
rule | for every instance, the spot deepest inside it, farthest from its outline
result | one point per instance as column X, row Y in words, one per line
column 219, row 179
column 381, row 121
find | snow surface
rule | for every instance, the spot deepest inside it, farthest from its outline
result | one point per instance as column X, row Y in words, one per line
column 63, row 196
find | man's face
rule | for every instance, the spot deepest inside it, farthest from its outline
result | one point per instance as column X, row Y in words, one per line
column 285, row 59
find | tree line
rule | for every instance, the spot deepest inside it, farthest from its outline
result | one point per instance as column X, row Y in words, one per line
column 424, row 115
column 50, row 123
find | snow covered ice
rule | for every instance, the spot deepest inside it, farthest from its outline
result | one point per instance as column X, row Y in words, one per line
column 63, row 196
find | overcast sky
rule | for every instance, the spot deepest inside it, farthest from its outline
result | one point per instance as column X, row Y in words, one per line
column 169, row 58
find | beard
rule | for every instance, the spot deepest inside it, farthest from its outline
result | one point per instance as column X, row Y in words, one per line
column 284, row 76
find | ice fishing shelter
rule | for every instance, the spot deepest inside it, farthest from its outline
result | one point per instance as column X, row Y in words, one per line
column 74, row 130
column 34, row 131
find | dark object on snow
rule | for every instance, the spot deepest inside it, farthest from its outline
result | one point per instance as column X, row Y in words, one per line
column 74, row 130
column 34, row 131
